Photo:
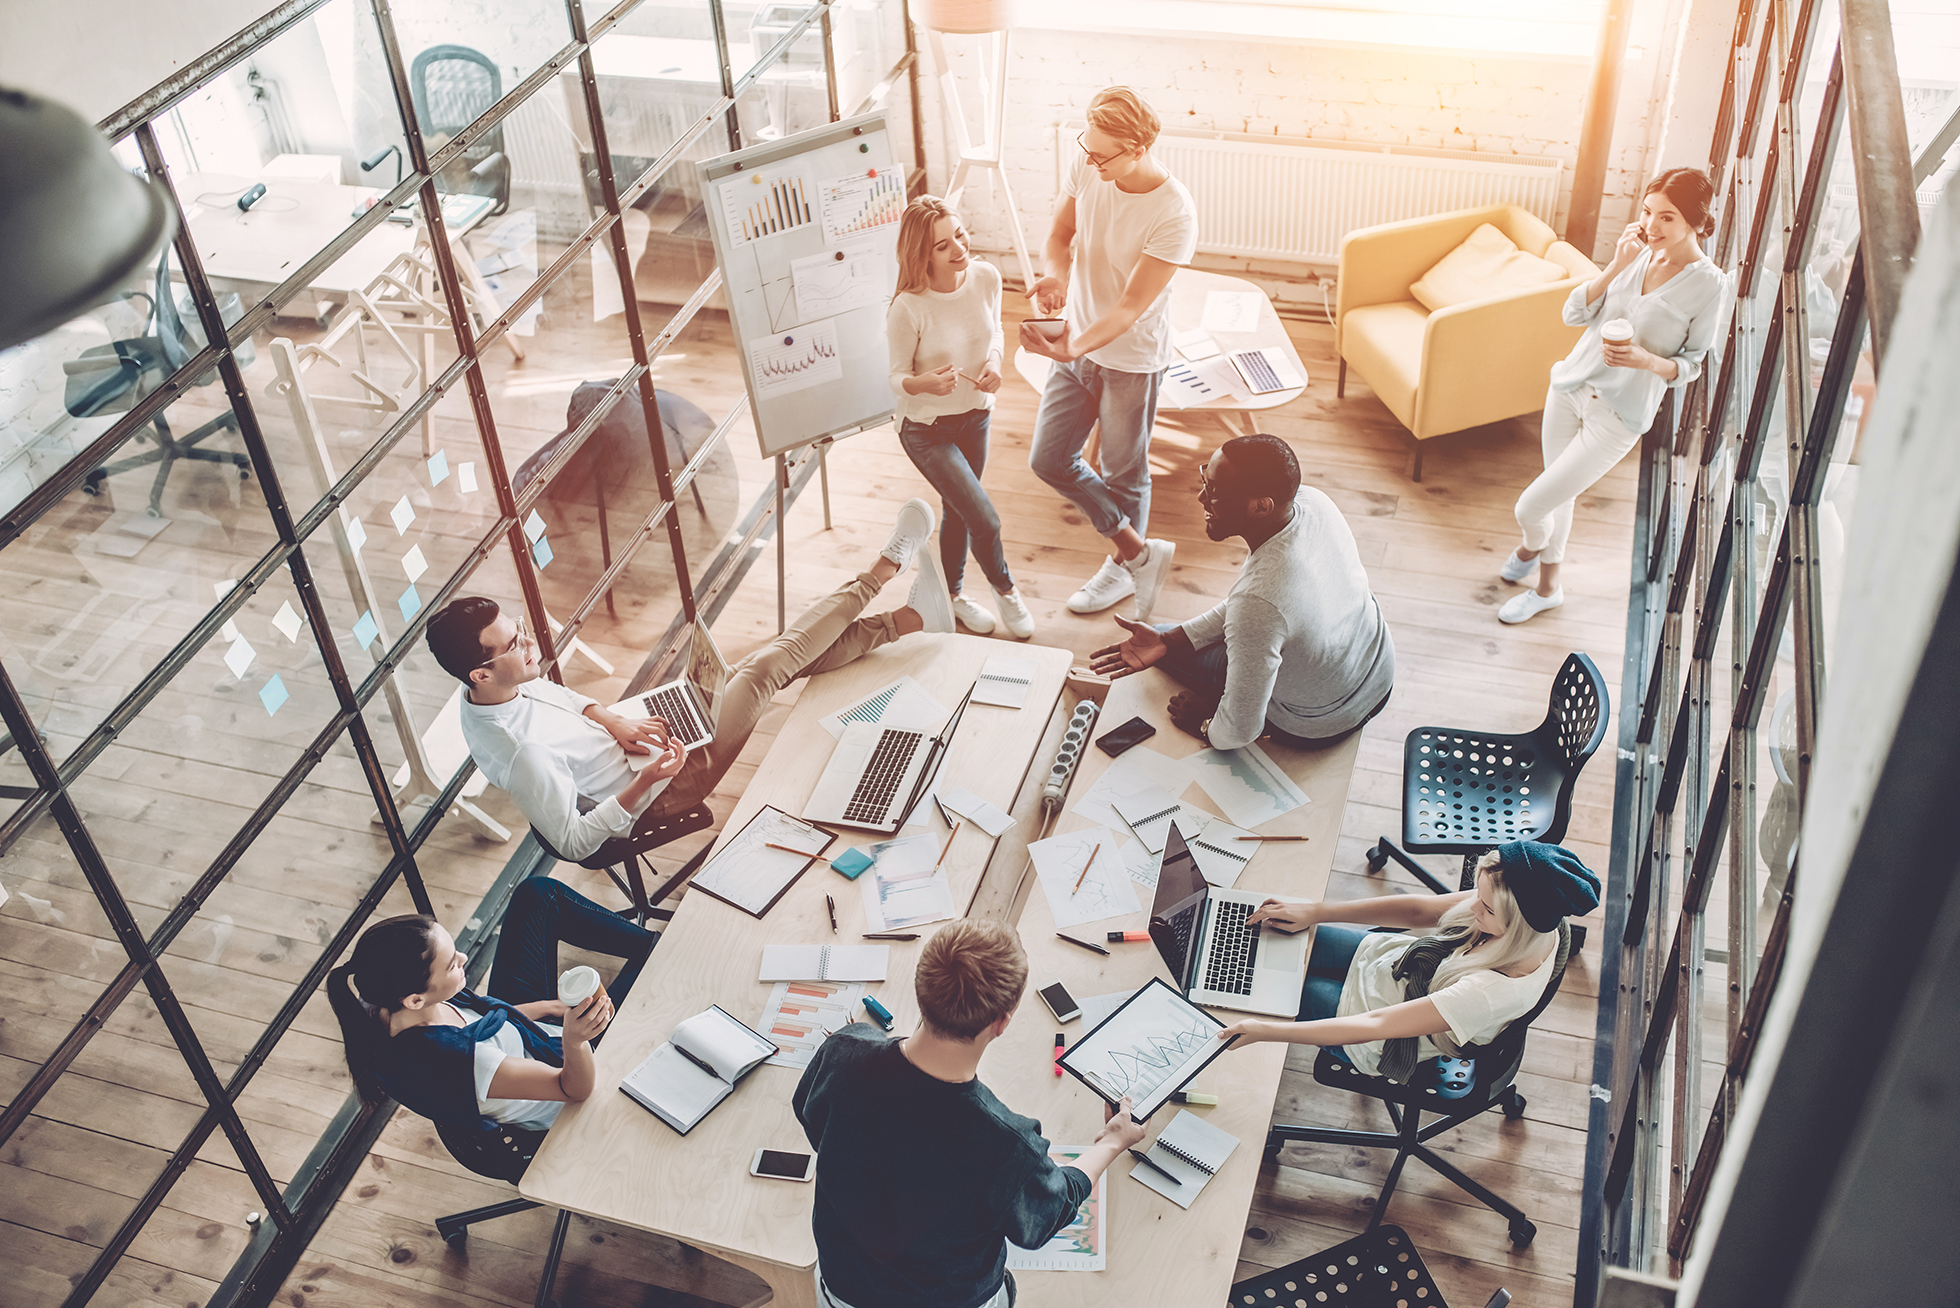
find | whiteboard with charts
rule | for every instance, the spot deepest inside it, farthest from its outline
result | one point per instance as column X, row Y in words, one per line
column 806, row 236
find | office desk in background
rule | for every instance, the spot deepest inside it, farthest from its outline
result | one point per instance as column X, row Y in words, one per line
column 610, row 1158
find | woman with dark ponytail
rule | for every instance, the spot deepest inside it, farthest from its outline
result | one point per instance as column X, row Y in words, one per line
column 414, row 1032
column 1650, row 319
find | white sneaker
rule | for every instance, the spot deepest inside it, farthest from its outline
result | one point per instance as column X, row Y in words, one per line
column 1150, row 568
column 910, row 532
column 1525, row 607
column 1515, row 568
column 972, row 615
column 1014, row 615
column 1112, row 584
column 929, row 598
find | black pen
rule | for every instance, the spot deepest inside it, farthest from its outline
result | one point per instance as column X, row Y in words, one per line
column 889, row 935
column 709, row 1070
column 831, row 904
column 1145, row 1160
column 1085, row 944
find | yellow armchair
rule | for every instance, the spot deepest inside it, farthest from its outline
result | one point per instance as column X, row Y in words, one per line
column 1465, row 365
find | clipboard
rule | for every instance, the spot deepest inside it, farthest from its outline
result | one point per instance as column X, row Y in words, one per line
column 1155, row 1042
column 745, row 874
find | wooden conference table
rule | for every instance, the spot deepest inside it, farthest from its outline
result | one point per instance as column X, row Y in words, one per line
column 609, row 1158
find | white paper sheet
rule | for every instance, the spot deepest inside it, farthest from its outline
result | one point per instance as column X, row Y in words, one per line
column 1076, row 897
column 804, row 356
column 1232, row 311
column 1195, row 344
column 1082, row 1245
column 836, row 281
column 800, row 1014
column 1097, row 1008
column 1246, row 784
column 904, row 704
column 977, row 811
column 901, row 889
column 1136, row 772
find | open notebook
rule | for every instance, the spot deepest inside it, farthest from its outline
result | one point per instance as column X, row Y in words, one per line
column 681, row 1082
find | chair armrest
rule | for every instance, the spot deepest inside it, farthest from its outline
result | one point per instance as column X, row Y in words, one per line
column 1379, row 264
column 1489, row 359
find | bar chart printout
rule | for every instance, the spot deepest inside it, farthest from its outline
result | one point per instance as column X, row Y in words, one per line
column 800, row 1014
column 859, row 202
column 759, row 205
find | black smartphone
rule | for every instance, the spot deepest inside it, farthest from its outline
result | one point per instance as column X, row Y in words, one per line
column 1060, row 1002
column 1133, row 732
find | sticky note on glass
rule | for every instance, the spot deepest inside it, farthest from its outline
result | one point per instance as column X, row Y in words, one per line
column 466, row 477
column 410, row 604
column 239, row 656
column 367, row 630
column 287, row 621
column 272, row 694
column 533, row 527
column 223, row 588
column 356, row 534
column 228, row 632
column 414, row 564
column 541, row 552
column 402, row 515
column 850, row 863
column 438, row 468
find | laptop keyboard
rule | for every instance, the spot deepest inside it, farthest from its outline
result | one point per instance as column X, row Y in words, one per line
column 678, row 711
column 1258, row 371
column 1234, row 951
column 872, row 799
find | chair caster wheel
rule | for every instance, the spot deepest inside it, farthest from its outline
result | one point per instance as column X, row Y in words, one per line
column 91, row 488
column 455, row 1239
column 1377, row 858
column 1522, row 1234
column 1514, row 1107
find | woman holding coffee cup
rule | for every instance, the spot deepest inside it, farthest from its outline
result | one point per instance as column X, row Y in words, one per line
column 414, row 1032
column 1650, row 319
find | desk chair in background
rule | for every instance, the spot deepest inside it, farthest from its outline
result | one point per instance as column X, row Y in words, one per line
column 1379, row 1268
column 619, row 858
column 452, row 86
column 114, row 378
column 500, row 1153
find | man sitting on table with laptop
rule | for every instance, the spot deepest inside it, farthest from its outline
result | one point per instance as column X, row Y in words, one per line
column 922, row 1174
column 566, row 761
column 1299, row 650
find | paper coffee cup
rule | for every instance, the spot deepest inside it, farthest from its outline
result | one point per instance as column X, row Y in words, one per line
column 576, row 985
column 1617, row 331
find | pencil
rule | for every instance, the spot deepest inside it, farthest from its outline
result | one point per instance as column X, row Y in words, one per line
column 1086, row 866
column 1270, row 837
column 791, row 849
column 947, row 848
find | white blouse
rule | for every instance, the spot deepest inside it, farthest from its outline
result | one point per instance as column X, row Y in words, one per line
column 1677, row 320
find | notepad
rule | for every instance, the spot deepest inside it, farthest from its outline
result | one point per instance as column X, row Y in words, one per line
column 1192, row 1150
column 681, row 1082
column 1004, row 681
column 825, row 962
column 1148, row 815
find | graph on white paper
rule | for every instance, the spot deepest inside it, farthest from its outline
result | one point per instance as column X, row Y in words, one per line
column 837, row 281
column 764, row 204
column 1148, row 1048
column 805, row 357
column 860, row 202
column 1084, row 877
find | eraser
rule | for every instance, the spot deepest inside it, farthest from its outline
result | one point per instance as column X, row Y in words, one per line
column 850, row 863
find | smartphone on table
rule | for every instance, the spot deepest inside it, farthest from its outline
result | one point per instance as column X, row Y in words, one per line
column 1060, row 1002
column 1133, row 732
column 782, row 1165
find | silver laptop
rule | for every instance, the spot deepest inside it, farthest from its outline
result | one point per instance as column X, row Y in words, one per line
column 1214, row 957
column 691, row 703
column 876, row 775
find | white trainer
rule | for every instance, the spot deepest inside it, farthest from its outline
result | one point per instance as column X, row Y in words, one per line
column 1014, row 615
column 1150, row 568
column 929, row 598
column 910, row 532
column 972, row 614
column 1515, row 568
column 1112, row 584
column 1528, row 605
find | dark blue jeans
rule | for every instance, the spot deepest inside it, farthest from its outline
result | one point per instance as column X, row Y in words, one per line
column 544, row 912
column 952, row 452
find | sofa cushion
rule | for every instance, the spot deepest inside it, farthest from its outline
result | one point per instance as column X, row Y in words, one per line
column 1487, row 263
column 1383, row 342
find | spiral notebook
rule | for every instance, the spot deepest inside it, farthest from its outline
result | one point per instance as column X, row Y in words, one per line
column 825, row 962
column 1190, row 1149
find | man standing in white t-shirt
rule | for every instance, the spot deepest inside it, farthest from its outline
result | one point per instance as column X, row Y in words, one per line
column 1124, row 226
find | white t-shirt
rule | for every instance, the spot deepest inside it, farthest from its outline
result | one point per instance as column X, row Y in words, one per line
column 929, row 329
column 1477, row 1005
column 1113, row 231
column 531, row 1114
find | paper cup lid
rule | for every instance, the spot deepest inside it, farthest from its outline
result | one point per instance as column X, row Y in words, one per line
column 577, row 984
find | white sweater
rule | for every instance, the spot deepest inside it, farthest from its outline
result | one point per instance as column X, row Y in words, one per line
column 930, row 329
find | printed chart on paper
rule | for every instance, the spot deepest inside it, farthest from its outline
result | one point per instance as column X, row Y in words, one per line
column 1080, row 890
column 1152, row 1041
column 862, row 202
column 807, row 357
column 800, row 1014
column 1082, row 1245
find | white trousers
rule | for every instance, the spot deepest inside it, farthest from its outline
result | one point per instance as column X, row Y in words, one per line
column 1582, row 439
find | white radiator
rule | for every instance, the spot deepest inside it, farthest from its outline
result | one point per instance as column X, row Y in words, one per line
column 1265, row 197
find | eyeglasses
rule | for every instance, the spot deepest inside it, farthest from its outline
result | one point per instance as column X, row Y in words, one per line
column 1095, row 162
column 523, row 635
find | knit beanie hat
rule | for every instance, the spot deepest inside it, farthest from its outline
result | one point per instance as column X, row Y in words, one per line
column 1548, row 881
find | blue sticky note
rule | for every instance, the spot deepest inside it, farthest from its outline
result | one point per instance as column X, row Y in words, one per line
column 410, row 604
column 850, row 863
column 438, row 467
column 367, row 631
column 541, row 552
column 273, row 694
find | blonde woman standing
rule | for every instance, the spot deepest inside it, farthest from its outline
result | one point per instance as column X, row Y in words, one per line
column 944, row 331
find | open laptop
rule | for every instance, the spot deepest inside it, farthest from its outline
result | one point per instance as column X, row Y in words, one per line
column 691, row 703
column 1213, row 956
column 877, row 774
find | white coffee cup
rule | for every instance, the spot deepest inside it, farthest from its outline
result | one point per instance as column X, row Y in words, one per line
column 576, row 985
column 1616, row 331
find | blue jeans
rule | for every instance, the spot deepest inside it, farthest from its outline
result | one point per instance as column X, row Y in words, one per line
column 1078, row 396
column 1203, row 670
column 952, row 451
column 543, row 912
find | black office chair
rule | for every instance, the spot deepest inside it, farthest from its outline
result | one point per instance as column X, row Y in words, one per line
column 1497, row 1069
column 114, row 378
column 619, row 858
column 1379, row 1268
column 452, row 86
column 500, row 1153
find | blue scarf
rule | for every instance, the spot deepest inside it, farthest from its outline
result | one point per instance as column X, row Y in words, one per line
column 431, row 1070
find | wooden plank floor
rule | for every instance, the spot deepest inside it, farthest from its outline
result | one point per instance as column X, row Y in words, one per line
column 1432, row 551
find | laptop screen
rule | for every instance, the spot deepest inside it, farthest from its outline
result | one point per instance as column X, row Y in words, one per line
column 1181, row 887
column 708, row 671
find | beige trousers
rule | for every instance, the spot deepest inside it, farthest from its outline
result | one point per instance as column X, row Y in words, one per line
column 1582, row 439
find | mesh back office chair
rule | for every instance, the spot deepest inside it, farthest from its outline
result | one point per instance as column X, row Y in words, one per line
column 114, row 378
column 500, row 1153
column 1497, row 1070
column 452, row 85
column 1379, row 1268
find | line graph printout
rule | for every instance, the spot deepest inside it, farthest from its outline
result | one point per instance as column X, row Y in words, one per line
column 1082, row 1245
column 1080, row 890
column 862, row 202
column 1246, row 783
column 1147, row 1049
column 798, row 360
column 837, row 281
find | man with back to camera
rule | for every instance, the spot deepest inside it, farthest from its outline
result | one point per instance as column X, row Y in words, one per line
column 922, row 1174
column 1298, row 650
column 1123, row 227
column 561, row 756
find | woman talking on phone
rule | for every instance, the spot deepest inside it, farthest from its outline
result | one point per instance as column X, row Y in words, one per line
column 1650, row 318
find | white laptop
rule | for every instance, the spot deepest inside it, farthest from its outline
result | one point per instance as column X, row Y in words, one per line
column 1214, row 957
column 1267, row 370
column 876, row 775
column 690, row 704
